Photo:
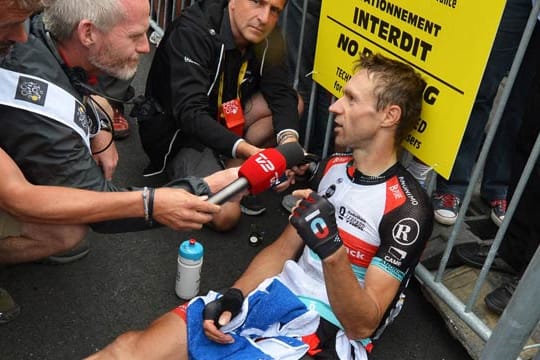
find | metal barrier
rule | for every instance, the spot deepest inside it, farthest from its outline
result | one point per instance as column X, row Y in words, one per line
column 514, row 316
column 162, row 13
column 521, row 316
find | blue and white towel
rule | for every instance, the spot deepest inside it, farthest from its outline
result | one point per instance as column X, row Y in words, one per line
column 270, row 326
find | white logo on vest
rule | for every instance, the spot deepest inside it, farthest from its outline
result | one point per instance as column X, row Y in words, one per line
column 31, row 90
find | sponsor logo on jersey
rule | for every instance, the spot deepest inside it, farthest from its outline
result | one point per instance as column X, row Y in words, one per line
column 405, row 232
column 396, row 191
column 351, row 218
column 395, row 256
column 330, row 191
column 359, row 251
column 395, row 197
column 407, row 192
column 356, row 254
column 31, row 90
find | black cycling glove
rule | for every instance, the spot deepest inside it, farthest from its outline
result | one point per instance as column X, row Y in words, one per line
column 231, row 301
column 315, row 222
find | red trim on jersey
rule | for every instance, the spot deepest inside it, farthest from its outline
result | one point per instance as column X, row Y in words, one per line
column 181, row 311
column 313, row 341
column 336, row 160
column 369, row 347
column 350, row 171
column 395, row 197
column 359, row 252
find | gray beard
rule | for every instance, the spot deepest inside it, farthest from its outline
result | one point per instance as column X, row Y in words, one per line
column 123, row 73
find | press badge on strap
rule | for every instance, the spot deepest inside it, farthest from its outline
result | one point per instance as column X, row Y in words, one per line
column 233, row 116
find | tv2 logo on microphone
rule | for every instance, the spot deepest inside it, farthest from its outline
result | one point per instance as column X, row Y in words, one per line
column 267, row 166
column 265, row 163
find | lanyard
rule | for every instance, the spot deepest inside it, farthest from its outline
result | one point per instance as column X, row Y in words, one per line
column 241, row 75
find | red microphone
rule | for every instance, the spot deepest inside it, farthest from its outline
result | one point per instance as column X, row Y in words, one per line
column 262, row 170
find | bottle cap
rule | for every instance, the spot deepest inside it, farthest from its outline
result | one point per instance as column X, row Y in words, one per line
column 255, row 235
column 254, row 239
column 191, row 250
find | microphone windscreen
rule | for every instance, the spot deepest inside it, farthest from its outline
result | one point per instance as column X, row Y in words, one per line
column 292, row 152
column 263, row 169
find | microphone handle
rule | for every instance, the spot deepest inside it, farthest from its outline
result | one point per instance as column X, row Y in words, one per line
column 229, row 191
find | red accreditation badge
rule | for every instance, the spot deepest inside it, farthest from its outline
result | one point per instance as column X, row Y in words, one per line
column 234, row 116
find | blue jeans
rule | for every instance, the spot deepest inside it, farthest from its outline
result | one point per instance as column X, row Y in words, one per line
column 496, row 174
column 322, row 100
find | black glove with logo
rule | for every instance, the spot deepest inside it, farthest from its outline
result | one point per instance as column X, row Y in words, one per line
column 230, row 301
column 315, row 222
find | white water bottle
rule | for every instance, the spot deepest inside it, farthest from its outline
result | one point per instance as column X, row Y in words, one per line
column 188, row 274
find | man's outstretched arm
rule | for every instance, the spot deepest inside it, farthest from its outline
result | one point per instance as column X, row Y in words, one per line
column 175, row 208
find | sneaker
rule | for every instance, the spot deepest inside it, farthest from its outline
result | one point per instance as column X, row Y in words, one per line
column 289, row 201
column 250, row 205
column 120, row 125
column 475, row 254
column 72, row 255
column 498, row 211
column 497, row 300
column 9, row 310
column 445, row 208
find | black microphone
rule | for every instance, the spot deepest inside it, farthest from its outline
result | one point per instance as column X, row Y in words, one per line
column 262, row 170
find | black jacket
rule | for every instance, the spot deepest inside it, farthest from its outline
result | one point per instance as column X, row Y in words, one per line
column 184, row 79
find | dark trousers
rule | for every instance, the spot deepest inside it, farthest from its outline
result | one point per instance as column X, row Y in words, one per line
column 496, row 174
column 523, row 235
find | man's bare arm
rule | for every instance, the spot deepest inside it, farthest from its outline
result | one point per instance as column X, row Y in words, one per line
column 359, row 309
column 175, row 208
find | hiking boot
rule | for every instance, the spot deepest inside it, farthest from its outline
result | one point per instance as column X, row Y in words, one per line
column 474, row 255
column 289, row 201
column 72, row 255
column 445, row 208
column 9, row 310
column 498, row 211
column 250, row 205
column 120, row 125
column 497, row 300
